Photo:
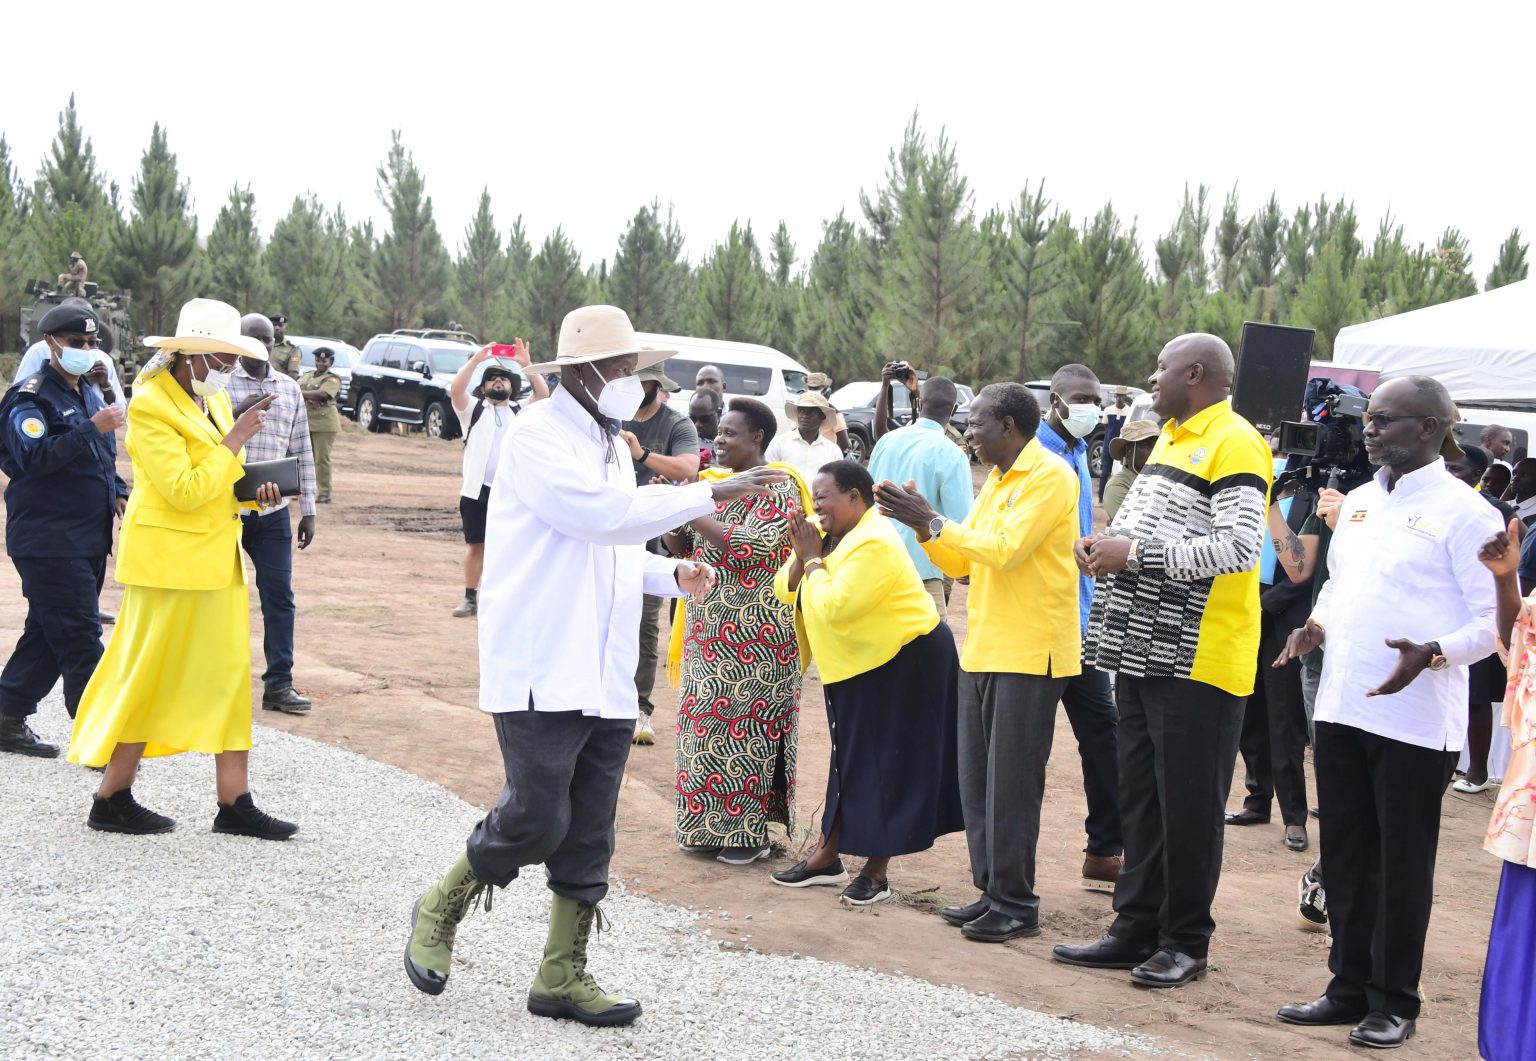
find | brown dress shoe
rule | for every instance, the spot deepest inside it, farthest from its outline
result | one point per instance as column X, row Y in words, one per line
column 1101, row 871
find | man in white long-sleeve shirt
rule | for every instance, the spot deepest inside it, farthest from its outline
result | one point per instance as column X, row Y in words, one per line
column 565, row 571
column 1407, row 608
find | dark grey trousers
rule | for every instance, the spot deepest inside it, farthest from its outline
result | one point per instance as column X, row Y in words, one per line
column 1006, row 725
column 557, row 807
column 645, row 669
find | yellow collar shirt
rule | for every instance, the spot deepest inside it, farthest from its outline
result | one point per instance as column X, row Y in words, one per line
column 1197, row 509
column 865, row 606
column 1016, row 545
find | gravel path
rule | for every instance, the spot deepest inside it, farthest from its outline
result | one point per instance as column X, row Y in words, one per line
column 197, row 945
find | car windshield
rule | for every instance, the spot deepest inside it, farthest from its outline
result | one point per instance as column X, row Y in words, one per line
column 855, row 395
column 794, row 381
column 449, row 360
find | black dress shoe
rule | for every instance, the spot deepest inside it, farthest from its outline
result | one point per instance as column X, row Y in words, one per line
column 16, row 736
column 1168, row 968
column 1383, row 1031
column 1297, row 840
column 1324, row 1011
column 285, row 700
column 1111, row 952
column 959, row 915
column 242, row 818
column 1247, row 817
column 994, row 926
column 107, row 618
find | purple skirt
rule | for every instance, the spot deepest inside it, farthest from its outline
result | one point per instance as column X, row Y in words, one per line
column 1506, row 1018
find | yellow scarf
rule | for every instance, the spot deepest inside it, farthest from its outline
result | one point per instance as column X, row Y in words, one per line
column 680, row 619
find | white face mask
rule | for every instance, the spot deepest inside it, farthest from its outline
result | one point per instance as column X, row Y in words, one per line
column 621, row 398
column 1081, row 420
column 214, row 381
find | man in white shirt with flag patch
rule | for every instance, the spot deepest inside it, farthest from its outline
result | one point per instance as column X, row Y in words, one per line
column 566, row 568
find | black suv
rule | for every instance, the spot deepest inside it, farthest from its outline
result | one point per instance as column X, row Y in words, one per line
column 403, row 378
column 856, row 401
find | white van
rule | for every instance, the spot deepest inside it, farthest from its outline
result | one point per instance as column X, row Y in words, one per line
column 750, row 370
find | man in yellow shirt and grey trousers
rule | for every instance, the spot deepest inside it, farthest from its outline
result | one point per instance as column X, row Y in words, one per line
column 1023, row 642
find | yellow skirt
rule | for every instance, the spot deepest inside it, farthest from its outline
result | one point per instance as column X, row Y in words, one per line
column 176, row 676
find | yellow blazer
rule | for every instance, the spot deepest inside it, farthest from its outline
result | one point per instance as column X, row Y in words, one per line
column 866, row 604
column 182, row 527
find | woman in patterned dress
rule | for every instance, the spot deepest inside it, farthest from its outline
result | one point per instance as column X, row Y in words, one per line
column 739, row 701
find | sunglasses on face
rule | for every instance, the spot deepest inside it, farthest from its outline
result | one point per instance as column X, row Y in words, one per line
column 79, row 342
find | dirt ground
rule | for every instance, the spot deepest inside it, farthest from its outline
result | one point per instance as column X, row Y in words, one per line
column 394, row 678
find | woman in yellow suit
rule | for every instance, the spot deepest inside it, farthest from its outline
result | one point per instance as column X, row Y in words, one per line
column 176, row 676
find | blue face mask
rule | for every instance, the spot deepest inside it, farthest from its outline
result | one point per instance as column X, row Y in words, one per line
column 76, row 362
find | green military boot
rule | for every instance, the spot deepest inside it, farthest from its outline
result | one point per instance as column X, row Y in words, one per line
column 434, row 921
column 563, row 987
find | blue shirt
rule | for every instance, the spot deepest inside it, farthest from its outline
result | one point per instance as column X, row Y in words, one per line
column 922, row 453
column 1075, row 454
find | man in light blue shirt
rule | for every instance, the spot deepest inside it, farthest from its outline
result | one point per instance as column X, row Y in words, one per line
column 923, row 453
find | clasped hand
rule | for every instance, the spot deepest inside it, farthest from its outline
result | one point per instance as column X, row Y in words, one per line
column 806, row 539
column 1101, row 554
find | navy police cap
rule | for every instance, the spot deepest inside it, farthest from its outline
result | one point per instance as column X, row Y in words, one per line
column 71, row 317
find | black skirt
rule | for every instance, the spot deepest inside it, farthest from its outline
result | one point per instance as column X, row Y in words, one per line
column 895, row 759
column 1486, row 681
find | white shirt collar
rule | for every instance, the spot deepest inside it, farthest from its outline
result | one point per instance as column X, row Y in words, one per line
column 1416, row 480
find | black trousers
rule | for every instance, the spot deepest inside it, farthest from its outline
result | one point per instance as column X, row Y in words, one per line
column 62, row 633
column 557, row 808
column 1178, row 745
column 1380, row 831
column 1090, row 707
column 1274, row 736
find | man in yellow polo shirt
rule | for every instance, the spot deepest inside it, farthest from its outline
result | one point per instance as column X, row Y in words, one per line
column 1023, row 642
column 1176, row 615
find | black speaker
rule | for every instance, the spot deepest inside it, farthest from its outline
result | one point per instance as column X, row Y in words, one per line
column 1273, row 362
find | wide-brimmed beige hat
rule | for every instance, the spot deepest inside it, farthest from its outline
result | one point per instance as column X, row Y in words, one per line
column 596, row 333
column 809, row 400
column 208, row 326
column 1135, row 431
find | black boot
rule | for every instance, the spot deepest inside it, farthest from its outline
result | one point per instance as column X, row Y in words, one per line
column 121, row 813
column 16, row 736
column 242, row 818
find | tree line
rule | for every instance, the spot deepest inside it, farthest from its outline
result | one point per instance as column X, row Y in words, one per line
column 918, row 274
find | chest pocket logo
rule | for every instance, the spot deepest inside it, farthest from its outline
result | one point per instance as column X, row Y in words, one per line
column 32, row 427
column 1197, row 456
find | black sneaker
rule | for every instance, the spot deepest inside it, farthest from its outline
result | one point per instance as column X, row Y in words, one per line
column 242, row 818
column 866, row 892
column 121, row 813
column 1312, row 903
column 801, row 875
column 16, row 736
column 742, row 856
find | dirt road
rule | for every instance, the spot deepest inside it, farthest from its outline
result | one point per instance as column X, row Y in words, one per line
column 394, row 678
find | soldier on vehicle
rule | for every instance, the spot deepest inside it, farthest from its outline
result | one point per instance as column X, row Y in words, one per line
column 73, row 282
column 59, row 451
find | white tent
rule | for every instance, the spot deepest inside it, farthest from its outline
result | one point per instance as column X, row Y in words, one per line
column 1480, row 346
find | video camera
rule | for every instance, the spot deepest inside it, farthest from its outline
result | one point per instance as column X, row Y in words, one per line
column 1327, row 450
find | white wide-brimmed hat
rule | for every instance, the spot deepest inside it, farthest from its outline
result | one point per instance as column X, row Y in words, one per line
column 596, row 333
column 208, row 326
column 809, row 400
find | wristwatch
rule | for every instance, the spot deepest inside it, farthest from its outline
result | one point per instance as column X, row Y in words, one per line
column 935, row 526
column 1133, row 558
column 1437, row 660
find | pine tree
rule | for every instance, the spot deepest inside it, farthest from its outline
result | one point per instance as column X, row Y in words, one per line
column 1181, row 264
column 1103, row 302
column 74, row 211
column 1265, row 261
column 934, row 269
column 1029, row 271
column 233, row 256
column 480, row 273
column 835, row 323
column 731, row 291
column 1233, row 237
column 648, row 275
column 555, row 284
column 411, row 266
column 1510, row 267
column 514, row 319
column 306, row 265
column 785, row 293
column 156, row 249
column 1377, row 267
column 1328, row 300
column 1297, row 246
column 361, row 311
column 15, row 249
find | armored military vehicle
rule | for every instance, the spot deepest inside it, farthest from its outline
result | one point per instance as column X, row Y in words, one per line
column 119, row 338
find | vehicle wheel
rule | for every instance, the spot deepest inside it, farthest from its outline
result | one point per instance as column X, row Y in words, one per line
column 1095, row 454
column 435, row 421
column 858, row 447
column 368, row 413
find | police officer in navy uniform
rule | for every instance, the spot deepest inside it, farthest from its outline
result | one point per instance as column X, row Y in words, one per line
column 58, row 448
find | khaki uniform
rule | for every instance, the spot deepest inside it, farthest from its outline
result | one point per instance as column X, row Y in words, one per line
column 285, row 358
column 324, row 424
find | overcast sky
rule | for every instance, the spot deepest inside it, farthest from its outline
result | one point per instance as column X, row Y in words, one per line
column 576, row 114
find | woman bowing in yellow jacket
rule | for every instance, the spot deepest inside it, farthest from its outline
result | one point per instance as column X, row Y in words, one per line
column 891, row 677
column 176, row 676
